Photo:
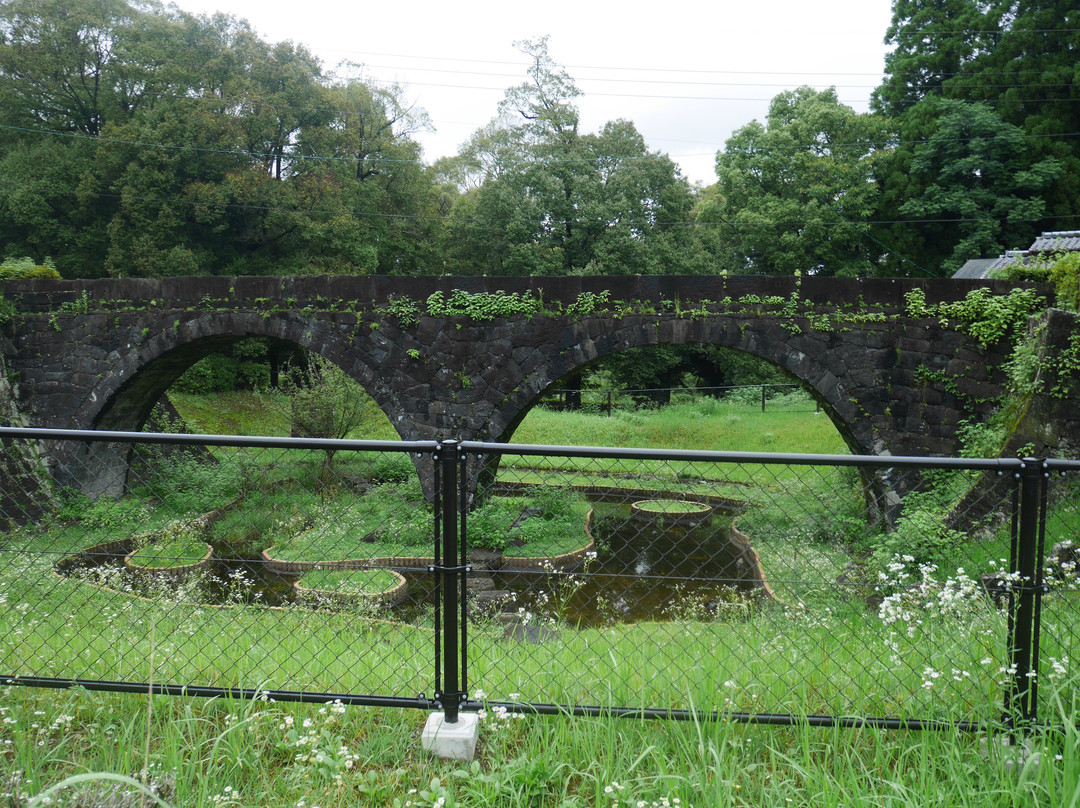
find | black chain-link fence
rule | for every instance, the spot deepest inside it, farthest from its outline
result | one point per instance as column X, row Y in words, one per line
column 899, row 591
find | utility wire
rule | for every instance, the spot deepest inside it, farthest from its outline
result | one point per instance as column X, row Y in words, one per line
column 522, row 65
column 677, row 83
column 293, row 156
column 540, row 221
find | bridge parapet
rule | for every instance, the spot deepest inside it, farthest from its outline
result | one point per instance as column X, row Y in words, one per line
column 352, row 292
column 99, row 354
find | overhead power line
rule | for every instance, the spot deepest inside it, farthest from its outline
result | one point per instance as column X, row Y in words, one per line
column 539, row 221
column 293, row 156
column 680, row 82
column 523, row 65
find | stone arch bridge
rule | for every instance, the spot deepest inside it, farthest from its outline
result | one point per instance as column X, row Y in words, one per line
column 98, row 354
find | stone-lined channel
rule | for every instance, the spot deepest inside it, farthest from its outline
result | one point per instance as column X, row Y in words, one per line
column 651, row 569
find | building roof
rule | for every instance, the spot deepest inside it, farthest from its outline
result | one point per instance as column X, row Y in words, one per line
column 975, row 268
column 1049, row 242
column 1056, row 241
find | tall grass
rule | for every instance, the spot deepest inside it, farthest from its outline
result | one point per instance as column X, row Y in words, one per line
column 224, row 753
column 708, row 423
column 930, row 649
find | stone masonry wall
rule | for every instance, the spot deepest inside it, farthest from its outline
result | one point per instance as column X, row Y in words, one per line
column 98, row 354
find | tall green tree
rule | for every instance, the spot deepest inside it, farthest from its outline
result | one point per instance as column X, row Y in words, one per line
column 68, row 70
column 75, row 65
column 1019, row 59
column 960, row 183
column 366, row 149
column 1031, row 78
column 141, row 140
column 933, row 41
column 797, row 191
column 542, row 197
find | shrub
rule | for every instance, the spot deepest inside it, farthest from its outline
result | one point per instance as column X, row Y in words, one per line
column 253, row 376
column 215, row 373
column 8, row 312
column 18, row 268
column 1065, row 275
column 489, row 526
column 392, row 467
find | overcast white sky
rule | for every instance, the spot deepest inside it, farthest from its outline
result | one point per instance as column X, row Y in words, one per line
column 686, row 73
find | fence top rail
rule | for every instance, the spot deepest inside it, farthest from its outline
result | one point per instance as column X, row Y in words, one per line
column 539, row 450
column 872, row 461
column 252, row 441
column 1062, row 465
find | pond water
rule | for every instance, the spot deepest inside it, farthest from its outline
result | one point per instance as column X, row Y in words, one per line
column 653, row 570
column 643, row 570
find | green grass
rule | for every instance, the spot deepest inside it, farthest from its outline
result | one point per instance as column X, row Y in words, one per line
column 222, row 752
column 820, row 648
column 350, row 582
column 177, row 552
column 260, row 753
column 707, row 424
column 245, row 412
column 390, row 520
column 240, row 413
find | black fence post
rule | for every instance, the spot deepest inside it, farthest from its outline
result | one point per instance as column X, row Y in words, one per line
column 1027, row 593
column 448, row 570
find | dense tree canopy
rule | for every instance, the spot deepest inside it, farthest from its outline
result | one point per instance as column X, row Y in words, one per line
column 985, row 103
column 176, row 144
column 968, row 177
column 540, row 196
column 137, row 139
column 934, row 40
column 797, row 190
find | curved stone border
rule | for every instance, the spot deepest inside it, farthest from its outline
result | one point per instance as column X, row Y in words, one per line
column 284, row 567
column 754, row 560
column 127, row 547
column 386, row 597
column 639, row 510
column 526, row 562
column 619, row 495
column 397, row 624
column 574, row 556
column 171, row 572
column 109, row 548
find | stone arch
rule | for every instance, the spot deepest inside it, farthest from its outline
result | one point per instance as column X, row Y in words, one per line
column 796, row 353
column 793, row 353
column 124, row 399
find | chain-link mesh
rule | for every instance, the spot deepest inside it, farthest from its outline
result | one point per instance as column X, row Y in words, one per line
column 601, row 579
column 1059, row 601
column 254, row 567
column 739, row 587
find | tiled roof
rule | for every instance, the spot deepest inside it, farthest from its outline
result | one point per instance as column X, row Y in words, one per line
column 1009, row 258
column 1056, row 241
column 975, row 268
column 1051, row 241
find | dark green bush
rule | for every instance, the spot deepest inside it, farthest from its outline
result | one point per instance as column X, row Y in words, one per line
column 392, row 467
column 253, row 376
column 16, row 268
column 215, row 373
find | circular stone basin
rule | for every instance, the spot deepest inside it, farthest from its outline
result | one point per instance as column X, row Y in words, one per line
column 166, row 562
column 671, row 511
column 352, row 587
